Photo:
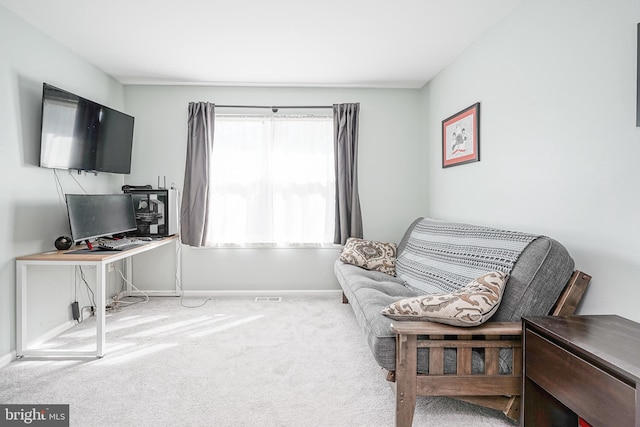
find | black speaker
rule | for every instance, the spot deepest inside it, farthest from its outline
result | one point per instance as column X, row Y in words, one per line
column 63, row 243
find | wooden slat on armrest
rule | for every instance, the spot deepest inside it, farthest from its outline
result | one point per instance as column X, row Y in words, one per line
column 572, row 294
column 431, row 328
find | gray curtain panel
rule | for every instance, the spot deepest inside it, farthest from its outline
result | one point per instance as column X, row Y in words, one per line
column 195, row 196
column 345, row 130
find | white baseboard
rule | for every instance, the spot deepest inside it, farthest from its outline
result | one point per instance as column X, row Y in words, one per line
column 261, row 293
column 7, row 358
column 150, row 294
column 52, row 333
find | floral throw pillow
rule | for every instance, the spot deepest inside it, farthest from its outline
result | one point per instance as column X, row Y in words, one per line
column 470, row 305
column 370, row 255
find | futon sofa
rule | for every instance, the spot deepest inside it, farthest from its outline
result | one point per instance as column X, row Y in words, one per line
column 443, row 258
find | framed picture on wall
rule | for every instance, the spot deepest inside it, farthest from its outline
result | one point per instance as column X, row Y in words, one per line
column 461, row 137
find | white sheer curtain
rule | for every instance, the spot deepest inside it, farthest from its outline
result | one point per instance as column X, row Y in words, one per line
column 272, row 181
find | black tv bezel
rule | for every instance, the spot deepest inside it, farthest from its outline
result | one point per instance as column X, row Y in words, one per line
column 86, row 168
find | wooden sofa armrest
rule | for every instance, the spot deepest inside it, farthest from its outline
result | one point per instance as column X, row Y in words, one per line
column 492, row 388
column 432, row 328
column 490, row 336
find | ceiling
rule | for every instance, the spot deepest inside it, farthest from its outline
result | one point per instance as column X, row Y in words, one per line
column 342, row 43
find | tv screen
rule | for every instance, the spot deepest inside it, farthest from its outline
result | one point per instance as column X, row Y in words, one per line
column 97, row 215
column 77, row 133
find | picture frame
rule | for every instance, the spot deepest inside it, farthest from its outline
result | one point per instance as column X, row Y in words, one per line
column 461, row 137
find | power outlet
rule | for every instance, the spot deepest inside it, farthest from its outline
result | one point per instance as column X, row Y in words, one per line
column 111, row 268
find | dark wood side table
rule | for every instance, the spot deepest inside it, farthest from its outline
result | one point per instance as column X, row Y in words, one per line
column 581, row 366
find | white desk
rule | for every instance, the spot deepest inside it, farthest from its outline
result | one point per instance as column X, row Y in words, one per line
column 100, row 260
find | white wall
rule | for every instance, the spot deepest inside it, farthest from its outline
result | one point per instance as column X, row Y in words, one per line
column 32, row 214
column 559, row 146
column 392, row 175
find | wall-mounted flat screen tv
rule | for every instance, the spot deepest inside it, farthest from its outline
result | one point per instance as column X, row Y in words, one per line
column 80, row 134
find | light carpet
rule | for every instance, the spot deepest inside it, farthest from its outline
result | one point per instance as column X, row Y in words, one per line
column 232, row 362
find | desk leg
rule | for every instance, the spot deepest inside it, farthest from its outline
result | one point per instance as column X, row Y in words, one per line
column 21, row 307
column 101, row 276
column 178, row 254
column 128, row 274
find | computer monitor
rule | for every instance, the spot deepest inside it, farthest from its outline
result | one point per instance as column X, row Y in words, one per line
column 97, row 215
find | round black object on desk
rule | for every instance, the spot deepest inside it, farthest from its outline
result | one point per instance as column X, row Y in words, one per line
column 63, row 243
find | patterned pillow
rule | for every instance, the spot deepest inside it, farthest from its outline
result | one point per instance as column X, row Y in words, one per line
column 370, row 255
column 470, row 305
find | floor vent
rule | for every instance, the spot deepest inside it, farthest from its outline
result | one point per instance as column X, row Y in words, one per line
column 268, row 299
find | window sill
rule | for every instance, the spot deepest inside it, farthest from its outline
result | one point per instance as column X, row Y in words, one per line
column 272, row 246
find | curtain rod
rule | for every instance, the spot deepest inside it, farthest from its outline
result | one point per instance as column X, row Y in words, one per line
column 274, row 108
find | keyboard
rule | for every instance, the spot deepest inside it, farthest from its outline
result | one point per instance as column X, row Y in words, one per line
column 119, row 244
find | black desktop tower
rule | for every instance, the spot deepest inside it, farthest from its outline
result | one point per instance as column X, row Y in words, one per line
column 157, row 212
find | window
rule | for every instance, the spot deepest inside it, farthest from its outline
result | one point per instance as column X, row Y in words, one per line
column 272, row 181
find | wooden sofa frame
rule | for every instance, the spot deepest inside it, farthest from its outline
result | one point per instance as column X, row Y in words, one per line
column 490, row 388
